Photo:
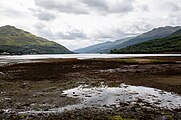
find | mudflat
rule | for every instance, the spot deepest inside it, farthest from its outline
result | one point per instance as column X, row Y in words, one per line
column 38, row 86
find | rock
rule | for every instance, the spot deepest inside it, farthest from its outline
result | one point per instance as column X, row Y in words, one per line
column 178, row 110
column 27, row 104
column 46, row 109
column 88, row 96
column 2, row 111
column 75, row 95
column 40, row 114
column 63, row 95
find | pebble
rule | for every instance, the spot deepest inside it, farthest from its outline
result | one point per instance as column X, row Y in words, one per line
column 62, row 95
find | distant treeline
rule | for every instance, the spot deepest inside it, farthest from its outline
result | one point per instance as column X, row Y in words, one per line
column 171, row 44
column 30, row 49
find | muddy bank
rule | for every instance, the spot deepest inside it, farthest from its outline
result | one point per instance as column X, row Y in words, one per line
column 124, row 112
column 39, row 86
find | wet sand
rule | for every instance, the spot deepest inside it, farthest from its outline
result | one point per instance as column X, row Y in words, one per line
column 39, row 84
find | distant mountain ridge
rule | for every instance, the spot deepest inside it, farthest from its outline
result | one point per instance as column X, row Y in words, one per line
column 17, row 41
column 169, row 44
column 102, row 47
column 177, row 33
column 155, row 33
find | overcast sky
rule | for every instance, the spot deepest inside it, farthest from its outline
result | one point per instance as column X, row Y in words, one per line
column 80, row 23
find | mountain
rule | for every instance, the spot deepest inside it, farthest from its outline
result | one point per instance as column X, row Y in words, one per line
column 102, row 47
column 17, row 41
column 156, row 33
column 175, row 34
column 106, row 47
column 169, row 44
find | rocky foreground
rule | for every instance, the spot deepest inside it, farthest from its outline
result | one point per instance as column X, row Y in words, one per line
column 38, row 86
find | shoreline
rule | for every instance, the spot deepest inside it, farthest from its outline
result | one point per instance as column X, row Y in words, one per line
column 39, row 85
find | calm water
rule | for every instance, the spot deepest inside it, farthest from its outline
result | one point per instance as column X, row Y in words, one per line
column 104, row 96
column 80, row 56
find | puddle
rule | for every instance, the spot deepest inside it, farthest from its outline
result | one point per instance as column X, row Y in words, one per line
column 105, row 96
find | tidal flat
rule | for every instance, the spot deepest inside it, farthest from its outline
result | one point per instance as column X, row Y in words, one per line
column 135, row 88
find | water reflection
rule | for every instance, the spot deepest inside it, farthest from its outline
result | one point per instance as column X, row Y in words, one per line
column 80, row 56
column 106, row 96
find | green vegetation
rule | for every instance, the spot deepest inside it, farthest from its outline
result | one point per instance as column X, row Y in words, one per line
column 170, row 44
column 17, row 41
column 138, row 61
column 106, row 47
column 118, row 117
column 168, row 115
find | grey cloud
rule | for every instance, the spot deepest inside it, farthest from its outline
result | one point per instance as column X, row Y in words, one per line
column 113, row 35
column 174, row 7
column 43, row 15
column 122, row 6
column 67, row 7
column 103, row 6
column 121, row 34
column 42, row 30
column 103, row 35
column 144, row 7
column 98, row 4
column 12, row 13
column 87, row 6
column 142, row 27
column 75, row 34
column 71, row 35
column 174, row 18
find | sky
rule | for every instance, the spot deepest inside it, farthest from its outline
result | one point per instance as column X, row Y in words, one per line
column 80, row 23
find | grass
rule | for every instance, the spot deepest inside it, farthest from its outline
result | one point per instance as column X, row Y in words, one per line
column 127, row 60
column 118, row 117
column 138, row 60
column 167, row 115
column 17, row 41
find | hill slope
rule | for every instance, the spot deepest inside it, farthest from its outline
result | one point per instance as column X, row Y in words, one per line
column 106, row 47
column 17, row 41
column 102, row 47
column 170, row 44
column 156, row 33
